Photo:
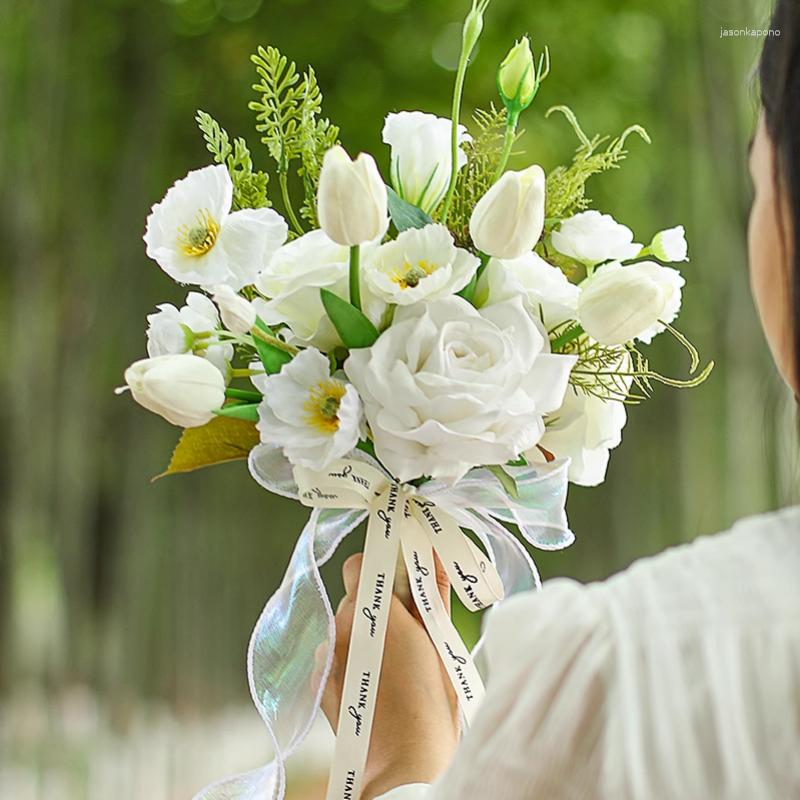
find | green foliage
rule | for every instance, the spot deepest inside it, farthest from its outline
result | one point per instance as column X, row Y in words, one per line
column 249, row 187
column 405, row 215
column 318, row 137
column 272, row 356
column 566, row 185
column 354, row 328
column 244, row 411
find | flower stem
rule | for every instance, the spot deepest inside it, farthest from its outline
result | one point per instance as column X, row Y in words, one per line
column 355, row 285
column 259, row 333
column 245, row 373
column 287, row 203
column 243, row 394
column 508, row 143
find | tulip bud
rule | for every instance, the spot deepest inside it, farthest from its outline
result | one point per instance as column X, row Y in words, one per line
column 184, row 389
column 670, row 245
column 516, row 78
column 508, row 220
column 351, row 200
column 238, row 314
column 619, row 304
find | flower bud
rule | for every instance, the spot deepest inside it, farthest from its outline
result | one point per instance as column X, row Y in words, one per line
column 238, row 314
column 619, row 304
column 516, row 78
column 670, row 245
column 351, row 200
column 508, row 220
column 184, row 389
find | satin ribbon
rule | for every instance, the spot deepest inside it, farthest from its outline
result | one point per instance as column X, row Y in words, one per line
column 296, row 628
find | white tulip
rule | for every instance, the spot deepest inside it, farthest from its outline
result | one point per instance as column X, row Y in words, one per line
column 351, row 200
column 591, row 237
column 619, row 304
column 421, row 155
column 508, row 220
column 184, row 389
column 195, row 238
column 670, row 245
column 238, row 314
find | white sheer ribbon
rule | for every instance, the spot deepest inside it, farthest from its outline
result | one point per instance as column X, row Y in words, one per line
column 296, row 628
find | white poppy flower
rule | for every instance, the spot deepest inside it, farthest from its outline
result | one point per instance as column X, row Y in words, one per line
column 314, row 417
column 421, row 155
column 619, row 304
column 195, row 238
column 238, row 314
column 670, row 245
column 421, row 264
column 173, row 331
column 448, row 387
column 591, row 237
column 546, row 290
column 292, row 281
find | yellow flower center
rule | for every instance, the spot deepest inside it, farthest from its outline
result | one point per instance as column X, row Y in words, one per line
column 322, row 405
column 198, row 239
column 412, row 274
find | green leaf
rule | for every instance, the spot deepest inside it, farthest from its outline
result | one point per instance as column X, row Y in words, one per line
column 468, row 292
column 272, row 357
column 354, row 328
column 506, row 481
column 404, row 214
column 245, row 411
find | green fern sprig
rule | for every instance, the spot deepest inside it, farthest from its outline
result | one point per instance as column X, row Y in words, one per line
column 319, row 136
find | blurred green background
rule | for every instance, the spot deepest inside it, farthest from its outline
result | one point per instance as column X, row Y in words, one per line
column 125, row 606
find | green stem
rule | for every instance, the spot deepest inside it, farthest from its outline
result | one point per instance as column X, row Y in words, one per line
column 565, row 338
column 508, row 143
column 288, row 204
column 259, row 333
column 245, row 373
column 456, row 115
column 355, row 285
column 243, row 394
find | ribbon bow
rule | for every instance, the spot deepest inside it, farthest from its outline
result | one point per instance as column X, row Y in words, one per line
column 297, row 622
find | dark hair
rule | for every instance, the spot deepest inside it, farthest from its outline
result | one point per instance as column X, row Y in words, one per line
column 779, row 75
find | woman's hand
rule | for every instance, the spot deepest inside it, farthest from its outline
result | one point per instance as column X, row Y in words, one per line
column 416, row 727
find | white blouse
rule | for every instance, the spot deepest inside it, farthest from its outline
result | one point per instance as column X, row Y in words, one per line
column 678, row 678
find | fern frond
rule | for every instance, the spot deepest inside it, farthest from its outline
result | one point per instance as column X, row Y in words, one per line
column 318, row 138
column 216, row 137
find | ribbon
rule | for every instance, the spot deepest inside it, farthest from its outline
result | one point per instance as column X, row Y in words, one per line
column 296, row 628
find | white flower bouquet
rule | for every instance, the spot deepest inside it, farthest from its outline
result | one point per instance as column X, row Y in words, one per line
column 436, row 356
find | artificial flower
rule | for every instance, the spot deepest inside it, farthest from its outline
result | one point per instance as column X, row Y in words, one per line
column 184, row 389
column 292, row 282
column 421, row 155
column 238, row 314
column 195, row 237
column 508, row 220
column 351, row 199
column 516, row 78
column 448, row 387
column 670, row 245
column 421, row 264
column 190, row 329
column 313, row 417
column 619, row 304
column 591, row 237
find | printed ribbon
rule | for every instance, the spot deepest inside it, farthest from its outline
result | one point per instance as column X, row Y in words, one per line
column 295, row 631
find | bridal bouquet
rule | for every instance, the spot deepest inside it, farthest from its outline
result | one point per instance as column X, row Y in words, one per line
column 438, row 355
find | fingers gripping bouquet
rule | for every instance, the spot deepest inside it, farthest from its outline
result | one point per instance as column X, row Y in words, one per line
column 436, row 356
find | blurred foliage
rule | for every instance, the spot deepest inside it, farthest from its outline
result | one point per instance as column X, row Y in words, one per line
column 153, row 589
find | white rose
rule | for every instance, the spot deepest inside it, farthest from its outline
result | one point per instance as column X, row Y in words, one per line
column 421, row 264
column 195, row 238
column 546, row 290
column 670, row 245
column 448, row 387
column 184, row 389
column 592, row 237
column 237, row 314
column 584, row 430
column 421, row 155
column 508, row 220
column 292, row 281
column 619, row 304
column 314, row 417
column 173, row 331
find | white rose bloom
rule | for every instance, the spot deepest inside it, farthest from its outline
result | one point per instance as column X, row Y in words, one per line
column 172, row 331
column 421, row 264
column 314, row 417
column 619, row 304
column 195, row 238
column 592, row 237
column 421, row 156
column 670, row 245
column 184, row 389
column 584, row 430
column 448, row 387
column 238, row 314
column 292, row 281
column 546, row 290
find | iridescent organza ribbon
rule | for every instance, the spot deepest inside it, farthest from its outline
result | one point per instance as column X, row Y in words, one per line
column 296, row 628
